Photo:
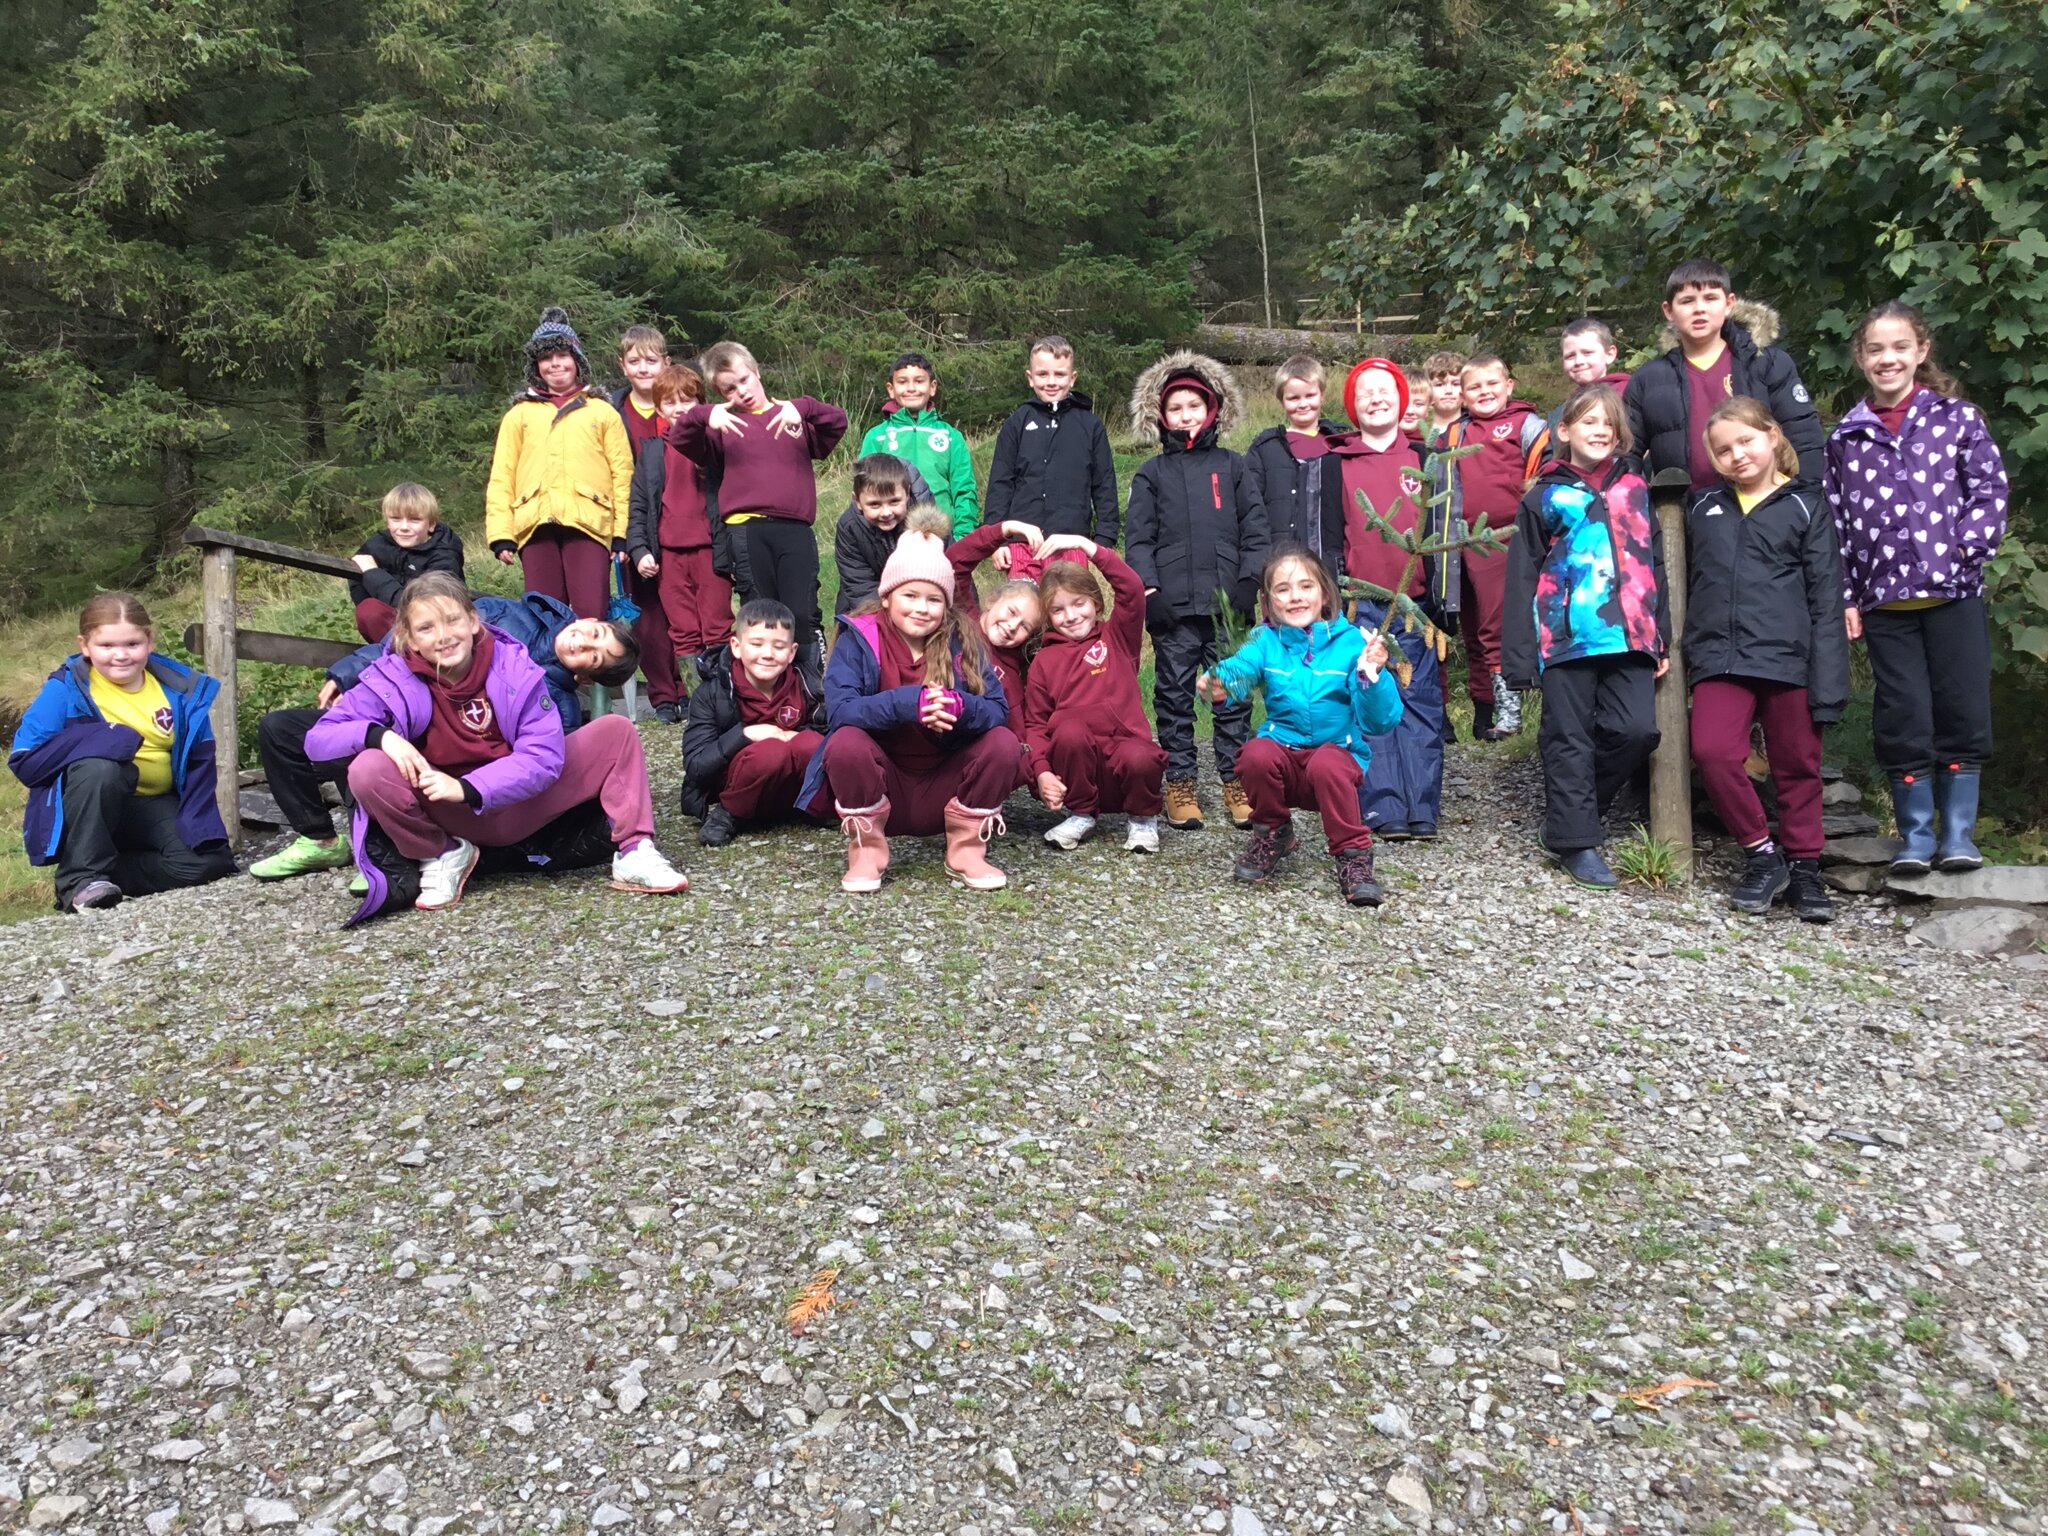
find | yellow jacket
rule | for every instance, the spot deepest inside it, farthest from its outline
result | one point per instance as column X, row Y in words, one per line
column 573, row 467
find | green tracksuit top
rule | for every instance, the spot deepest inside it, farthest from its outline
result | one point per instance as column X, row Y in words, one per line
column 940, row 453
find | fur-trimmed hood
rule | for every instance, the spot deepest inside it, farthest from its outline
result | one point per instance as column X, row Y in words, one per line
column 1151, row 385
column 1759, row 319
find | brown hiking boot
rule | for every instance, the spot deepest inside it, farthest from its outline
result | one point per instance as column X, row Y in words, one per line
column 1183, row 809
column 1235, row 802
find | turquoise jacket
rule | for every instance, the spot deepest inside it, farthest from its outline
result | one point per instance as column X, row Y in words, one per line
column 1314, row 694
column 940, row 453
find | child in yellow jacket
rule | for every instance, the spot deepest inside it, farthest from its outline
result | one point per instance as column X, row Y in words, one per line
column 561, row 475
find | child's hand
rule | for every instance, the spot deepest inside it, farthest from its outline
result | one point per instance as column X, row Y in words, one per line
column 1852, row 620
column 766, row 733
column 1001, row 558
column 1663, row 665
column 722, row 419
column 1028, row 532
column 1206, row 684
column 330, row 690
column 1056, row 543
column 1373, row 659
column 509, row 556
column 442, row 788
column 405, row 757
column 932, row 713
column 647, row 567
column 786, row 422
column 364, row 562
column 1052, row 790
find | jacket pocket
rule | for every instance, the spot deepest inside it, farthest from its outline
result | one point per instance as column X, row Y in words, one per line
column 592, row 493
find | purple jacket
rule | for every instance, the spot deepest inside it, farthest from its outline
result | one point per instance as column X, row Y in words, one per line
column 1919, row 514
column 387, row 694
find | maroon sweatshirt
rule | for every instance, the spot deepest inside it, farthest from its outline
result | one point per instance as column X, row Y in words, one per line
column 1392, row 480
column 784, row 706
column 764, row 473
column 1494, row 478
column 685, row 522
column 461, row 732
column 1010, row 663
column 1096, row 678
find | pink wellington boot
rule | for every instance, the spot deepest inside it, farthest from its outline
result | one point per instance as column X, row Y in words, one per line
column 867, row 846
column 967, row 835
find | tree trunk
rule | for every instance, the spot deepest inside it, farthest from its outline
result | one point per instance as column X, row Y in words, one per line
column 177, row 466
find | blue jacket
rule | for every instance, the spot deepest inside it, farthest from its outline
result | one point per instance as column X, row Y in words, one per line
column 854, row 696
column 63, row 726
column 1314, row 695
column 533, row 620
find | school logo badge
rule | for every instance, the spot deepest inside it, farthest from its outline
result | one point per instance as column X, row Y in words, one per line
column 940, row 441
column 1096, row 654
column 163, row 719
column 1501, row 429
column 476, row 715
column 1411, row 482
column 786, row 717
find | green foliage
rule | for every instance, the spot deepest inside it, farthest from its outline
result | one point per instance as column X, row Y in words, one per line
column 1642, row 859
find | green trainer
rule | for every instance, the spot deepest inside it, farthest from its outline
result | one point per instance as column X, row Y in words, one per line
column 358, row 885
column 301, row 856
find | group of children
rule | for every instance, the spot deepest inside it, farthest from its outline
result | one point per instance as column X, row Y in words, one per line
column 458, row 731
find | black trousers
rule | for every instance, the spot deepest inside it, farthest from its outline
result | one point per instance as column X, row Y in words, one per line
column 294, row 780
column 112, row 833
column 1181, row 648
column 1599, row 727
column 777, row 557
column 1932, row 702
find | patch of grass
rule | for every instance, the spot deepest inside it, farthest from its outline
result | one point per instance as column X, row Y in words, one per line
column 1641, row 859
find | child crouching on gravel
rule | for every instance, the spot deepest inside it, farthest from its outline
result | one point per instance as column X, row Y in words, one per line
column 453, row 742
column 1327, row 689
column 1089, row 743
column 753, row 727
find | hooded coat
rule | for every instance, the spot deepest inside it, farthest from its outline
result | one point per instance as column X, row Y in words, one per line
column 715, row 734
column 1659, row 404
column 1304, row 498
column 1197, row 523
column 569, row 465
column 1052, row 469
column 397, row 565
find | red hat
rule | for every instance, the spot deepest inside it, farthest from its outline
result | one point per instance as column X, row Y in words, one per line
column 1351, row 384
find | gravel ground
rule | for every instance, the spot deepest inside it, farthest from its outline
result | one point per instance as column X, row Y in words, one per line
column 1155, row 1204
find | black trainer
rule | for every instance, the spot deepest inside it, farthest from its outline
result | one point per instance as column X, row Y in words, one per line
column 1763, row 882
column 1355, row 878
column 669, row 714
column 1808, row 893
column 1269, row 845
column 719, row 828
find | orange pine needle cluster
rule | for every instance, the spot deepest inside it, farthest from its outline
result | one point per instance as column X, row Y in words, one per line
column 813, row 1301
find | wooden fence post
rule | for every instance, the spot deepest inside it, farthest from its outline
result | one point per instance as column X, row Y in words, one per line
column 1671, row 763
column 217, row 596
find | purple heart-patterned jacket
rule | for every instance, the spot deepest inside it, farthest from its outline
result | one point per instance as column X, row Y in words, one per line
column 1919, row 514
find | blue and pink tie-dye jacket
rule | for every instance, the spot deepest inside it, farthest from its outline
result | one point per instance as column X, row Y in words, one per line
column 1585, row 572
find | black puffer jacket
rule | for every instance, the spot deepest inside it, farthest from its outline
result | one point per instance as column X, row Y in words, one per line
column 1052, row 468
column 1660, row 407
column 397, row 565
column 1304, row 498
column 860, row 549
column 1764, row 594
column 713, row 734
column 1197, row 524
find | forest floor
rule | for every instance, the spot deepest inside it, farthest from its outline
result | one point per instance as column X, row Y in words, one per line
column 1144, row 1202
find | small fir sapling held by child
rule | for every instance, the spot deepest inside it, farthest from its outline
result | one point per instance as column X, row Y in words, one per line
column 116, row 752
column 755, row 723
column 1764, row 642
column 1919, row 493
column 1327, row 691
column 412, row 542
column 1089, row 743
column 1586, row 618
column 918, row 740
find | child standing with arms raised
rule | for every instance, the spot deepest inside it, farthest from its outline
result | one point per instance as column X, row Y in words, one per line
column 1089, row 742
column 561, row 476
column 1764, row 641
column 760, row 451
column 117, row 753
column 1919, row 491
column 1586, row 616
column 1326, row 691
column 1198, row 540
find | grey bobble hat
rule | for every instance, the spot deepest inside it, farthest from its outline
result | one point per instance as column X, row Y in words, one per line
column 554, row 334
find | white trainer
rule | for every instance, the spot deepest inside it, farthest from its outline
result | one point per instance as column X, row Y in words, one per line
column 444, row 877
column 1070, row 833
column 646, row 872
column 1143, row 837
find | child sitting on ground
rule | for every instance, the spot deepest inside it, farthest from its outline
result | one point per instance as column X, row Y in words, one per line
column 680, row 550
column 1764, row 641
column 885, row 489
column 760, row 451
column 932, row 446
column 754, row 726
column 1089, row 742
column 1198, row 539
column 1585, row 615
column 572, row 653
column 117, row 754
column 453, row 740
column 1326, row 689
column 917, row 735
column 412, row 542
